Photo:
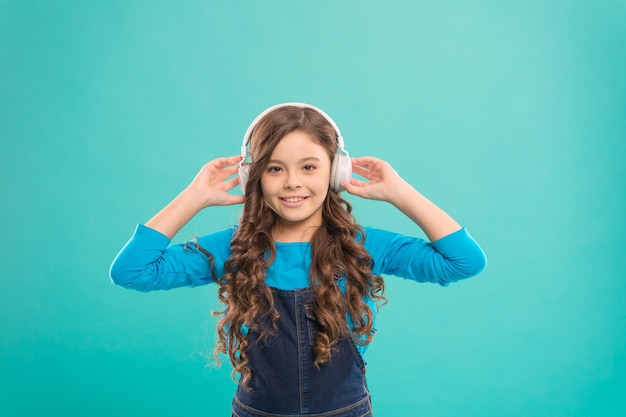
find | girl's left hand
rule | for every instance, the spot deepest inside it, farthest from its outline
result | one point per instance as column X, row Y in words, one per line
column 384, row 182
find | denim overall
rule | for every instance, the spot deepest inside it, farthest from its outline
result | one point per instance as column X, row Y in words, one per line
column 284, row 381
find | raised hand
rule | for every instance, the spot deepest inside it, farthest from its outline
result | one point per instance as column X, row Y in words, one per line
column 213, row 181
column 383, row 181
column 209, row 188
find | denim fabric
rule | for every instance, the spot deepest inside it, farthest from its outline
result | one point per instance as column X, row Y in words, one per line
column 361, row 409
column 285, row 382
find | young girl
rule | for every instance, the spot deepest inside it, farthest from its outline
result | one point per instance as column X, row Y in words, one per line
column 299, row 279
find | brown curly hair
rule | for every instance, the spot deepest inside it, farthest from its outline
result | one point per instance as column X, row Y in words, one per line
column 337, row 247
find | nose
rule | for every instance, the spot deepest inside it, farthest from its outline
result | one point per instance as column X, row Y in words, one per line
column 292, row 181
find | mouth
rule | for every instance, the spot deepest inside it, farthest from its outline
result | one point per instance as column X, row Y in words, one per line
column 293, row 201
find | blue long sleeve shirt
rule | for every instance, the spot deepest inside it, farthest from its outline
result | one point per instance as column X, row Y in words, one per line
column 148, row 262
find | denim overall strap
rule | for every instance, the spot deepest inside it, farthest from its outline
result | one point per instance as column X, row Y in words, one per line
column 284, row 380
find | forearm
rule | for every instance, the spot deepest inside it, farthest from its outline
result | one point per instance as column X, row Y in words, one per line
column 177, row 213
column 435, row 222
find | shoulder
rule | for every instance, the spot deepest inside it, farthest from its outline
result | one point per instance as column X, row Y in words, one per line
column 216, row 241
column 373, row 236
column 374, row 232
column 224, row 235
column 382, row 243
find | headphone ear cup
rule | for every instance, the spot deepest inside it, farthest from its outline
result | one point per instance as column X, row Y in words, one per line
column 341, row 171
column 244, row 171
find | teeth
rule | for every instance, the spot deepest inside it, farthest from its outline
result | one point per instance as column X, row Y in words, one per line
column 293, row 200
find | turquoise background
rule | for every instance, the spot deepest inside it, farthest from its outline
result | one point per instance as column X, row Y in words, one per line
column 509, row 115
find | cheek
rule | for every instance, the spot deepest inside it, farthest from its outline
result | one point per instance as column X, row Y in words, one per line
column 325, row 180
column 323, row 187
column 267, row 186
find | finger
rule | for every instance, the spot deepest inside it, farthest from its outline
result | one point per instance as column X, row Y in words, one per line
column 358, row 183
column 364, row 172
column 220, row 174
column 231, row 183
column 230, row 160
column 229, row 171
column 369, row 169
column 354, row 189
column 365, row 161
column 220, row 163
column 230, row 199
column 234, row 199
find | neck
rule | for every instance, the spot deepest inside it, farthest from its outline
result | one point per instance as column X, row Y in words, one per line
column 287, row 234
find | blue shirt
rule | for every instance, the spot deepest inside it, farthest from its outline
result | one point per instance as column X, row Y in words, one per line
column 148, row 262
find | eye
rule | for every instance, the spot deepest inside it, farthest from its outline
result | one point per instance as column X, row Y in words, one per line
column 273, row 169
column 308, row 167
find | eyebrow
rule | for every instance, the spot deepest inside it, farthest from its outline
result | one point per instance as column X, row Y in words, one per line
column 301, row 160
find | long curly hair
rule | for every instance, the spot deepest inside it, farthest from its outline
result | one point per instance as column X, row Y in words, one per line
column 336, row 246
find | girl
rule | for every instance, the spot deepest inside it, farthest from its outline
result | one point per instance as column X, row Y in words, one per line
column 299, row 279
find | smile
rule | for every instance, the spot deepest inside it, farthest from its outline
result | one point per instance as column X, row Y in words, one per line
column 293, row 202
column 293, row 199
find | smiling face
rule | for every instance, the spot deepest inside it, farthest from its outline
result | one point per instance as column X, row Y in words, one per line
column 295, row 184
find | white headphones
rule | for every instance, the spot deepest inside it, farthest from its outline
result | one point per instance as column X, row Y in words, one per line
column 341, row 169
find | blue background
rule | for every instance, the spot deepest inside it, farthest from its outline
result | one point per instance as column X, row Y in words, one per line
column 509, row 115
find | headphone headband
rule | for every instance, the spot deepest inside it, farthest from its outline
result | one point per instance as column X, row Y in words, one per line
column 248, row 135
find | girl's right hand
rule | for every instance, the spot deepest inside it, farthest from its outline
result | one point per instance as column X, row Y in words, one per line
column 212, row 183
